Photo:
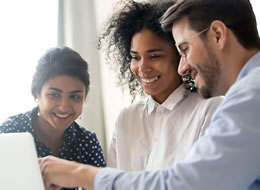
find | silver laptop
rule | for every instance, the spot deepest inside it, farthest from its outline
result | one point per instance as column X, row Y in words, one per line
column 19, row 167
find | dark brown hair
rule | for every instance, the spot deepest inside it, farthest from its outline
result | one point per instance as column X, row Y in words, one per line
column 59, row 61
column 237, row 15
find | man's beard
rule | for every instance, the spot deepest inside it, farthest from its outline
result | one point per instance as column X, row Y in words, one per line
column 210, row 73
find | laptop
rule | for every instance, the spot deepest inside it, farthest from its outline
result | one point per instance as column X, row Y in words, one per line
column 19, row 167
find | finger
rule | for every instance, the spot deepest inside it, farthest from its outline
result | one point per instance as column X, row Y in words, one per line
column 49, row 186
column 42, row 162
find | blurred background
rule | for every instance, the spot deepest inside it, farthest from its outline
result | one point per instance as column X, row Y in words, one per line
column 29, row 28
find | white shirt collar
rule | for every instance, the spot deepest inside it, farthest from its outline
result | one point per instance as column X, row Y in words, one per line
column 250, row 66
column 170, row 103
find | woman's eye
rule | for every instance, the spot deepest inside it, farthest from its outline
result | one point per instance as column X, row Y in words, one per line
column 155, row 56
column 135, row 58
column 76, row 97
column 53, row 95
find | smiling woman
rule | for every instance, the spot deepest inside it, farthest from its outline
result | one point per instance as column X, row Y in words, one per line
column 59, row 86
column 154, row 63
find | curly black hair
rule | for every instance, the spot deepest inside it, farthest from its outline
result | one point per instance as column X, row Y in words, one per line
column 132, row 17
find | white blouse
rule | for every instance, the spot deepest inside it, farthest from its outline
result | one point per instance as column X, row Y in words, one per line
column 151, row 136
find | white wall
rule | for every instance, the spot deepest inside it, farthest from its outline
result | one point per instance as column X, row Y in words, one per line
column 256, row 7
column 26, row 32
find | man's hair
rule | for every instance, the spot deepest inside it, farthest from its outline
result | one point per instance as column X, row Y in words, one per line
column 237, row 15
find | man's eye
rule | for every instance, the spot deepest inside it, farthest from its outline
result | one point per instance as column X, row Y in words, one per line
column 183, row 51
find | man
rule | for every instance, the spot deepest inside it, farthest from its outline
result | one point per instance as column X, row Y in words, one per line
column 220, row 48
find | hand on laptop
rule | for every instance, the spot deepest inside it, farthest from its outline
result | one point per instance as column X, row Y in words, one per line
column 59, row 173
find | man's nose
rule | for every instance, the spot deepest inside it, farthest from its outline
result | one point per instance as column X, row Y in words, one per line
column 184, row 68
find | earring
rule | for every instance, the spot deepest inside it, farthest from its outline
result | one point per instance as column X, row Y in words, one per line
column 36, row 100
column 189, row 83
column 38, row 111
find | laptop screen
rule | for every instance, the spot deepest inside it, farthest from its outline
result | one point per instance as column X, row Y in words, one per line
column 19, row 167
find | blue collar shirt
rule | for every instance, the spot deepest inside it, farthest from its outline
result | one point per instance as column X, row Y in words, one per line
column 227, row 157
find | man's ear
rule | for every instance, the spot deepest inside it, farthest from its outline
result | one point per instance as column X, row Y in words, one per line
column 218, row 32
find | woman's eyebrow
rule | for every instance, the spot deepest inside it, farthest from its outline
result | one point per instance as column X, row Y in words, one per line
column 76, row 91
column 55, row 89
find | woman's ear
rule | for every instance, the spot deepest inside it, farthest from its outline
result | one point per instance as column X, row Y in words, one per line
column 218, row 32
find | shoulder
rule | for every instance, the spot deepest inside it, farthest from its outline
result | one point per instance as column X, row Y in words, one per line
column 247, row 85
column 211, row 102
column 244, row 94
column 83, row 133
column 240, row 110
column 82, row 130
column 134, row 108
column 204, row 105
column 16, row 123
column 131, row 113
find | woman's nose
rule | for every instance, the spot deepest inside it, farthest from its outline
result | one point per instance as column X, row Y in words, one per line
column 64, row 104
column 144, row 66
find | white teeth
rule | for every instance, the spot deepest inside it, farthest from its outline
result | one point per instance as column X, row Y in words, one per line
column 62, row 116
column 149, row 80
